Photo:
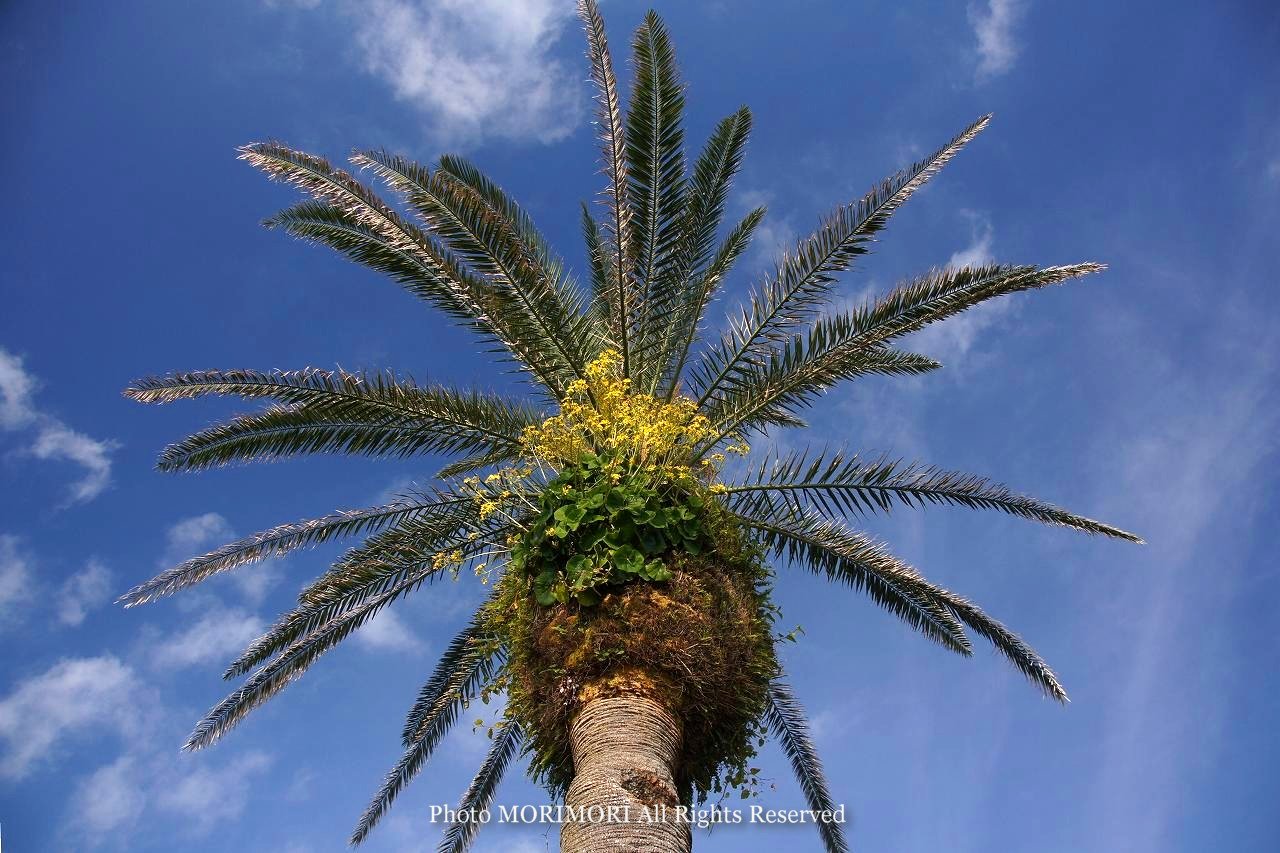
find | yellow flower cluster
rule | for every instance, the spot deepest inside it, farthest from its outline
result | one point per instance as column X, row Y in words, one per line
column 600, row 416
column 498, row 488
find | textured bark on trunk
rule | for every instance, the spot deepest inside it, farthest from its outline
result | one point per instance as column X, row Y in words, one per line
column 625, row 749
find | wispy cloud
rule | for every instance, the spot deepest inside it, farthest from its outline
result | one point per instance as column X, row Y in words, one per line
column 111, row 798
column 199, row 533
column 83, row 591
column 474, row 69
column 16, row 389
column 15, row 579
column 222, row 632
column 775, row 235
column 58, row 441
column 96, row 697
column 952, row 341
column 207, row 795
column 53, row 439
column 387, row 632
column 190, row 536
column 74, row 695
column 1196, row 468
column 140, row 784
column 993, row 24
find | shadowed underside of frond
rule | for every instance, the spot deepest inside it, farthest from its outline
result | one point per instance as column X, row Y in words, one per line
column 802, row 284
column 655, row 170
column 480, row 793
column 455, row 683
column 826, row 547
column 322, row 411
column 339, row 618
column 496, row 240
column 289, row 537
column 834, row 482
column 353, row 220
column 619, row 284
column 790, row 727
column 407, row 550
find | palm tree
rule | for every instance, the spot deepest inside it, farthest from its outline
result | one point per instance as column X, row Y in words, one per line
column 606, row 506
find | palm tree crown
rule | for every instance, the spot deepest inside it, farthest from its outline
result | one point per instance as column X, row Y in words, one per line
column 659, row 253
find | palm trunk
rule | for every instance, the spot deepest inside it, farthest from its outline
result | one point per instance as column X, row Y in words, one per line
column 625, row 751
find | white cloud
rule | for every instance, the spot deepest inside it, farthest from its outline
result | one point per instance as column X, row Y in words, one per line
column 775, row 235
column 205, row 796
column 1198, row 465
column 58, row 441
column 15, row 579
column 993, row 24
column 200, row 533
column 111, row 798
column 219, row 634
column 74, row 695
column 191, row 536
column 54, row 439
column 978, row 251
column 387, row 632
column 475, row 69
column 16, row 388
column 152, row 783
column 84, row 591
column 952, row 340
column 147, row 780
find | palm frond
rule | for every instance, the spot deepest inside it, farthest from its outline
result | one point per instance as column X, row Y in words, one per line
column 791, row 377
column 363, row 573
column 289, row 537
column 802, row 284
column 834, row 482
column 835, row 348
column 410, row 542
column 269, row 680
column 480, row 793
column 828, row 547
column 600, row 274
column 460, row 686
column 681, row 317
column 825, row 546
column 935, row 296
column 617, row 224
column 465, row 651
column 356, row 222
column 1006, row 643
column 309, row 385
column 346, row 612
column 478, row 462
column 352, row 205
column 539, row 306
column 419, row 267
column 709, row 183
column 654, row 149
column 788, row 724
column 337, row 412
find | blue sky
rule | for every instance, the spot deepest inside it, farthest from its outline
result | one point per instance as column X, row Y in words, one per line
column 1145, row 135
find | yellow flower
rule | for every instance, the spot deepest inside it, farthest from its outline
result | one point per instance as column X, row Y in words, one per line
column 599, row 415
